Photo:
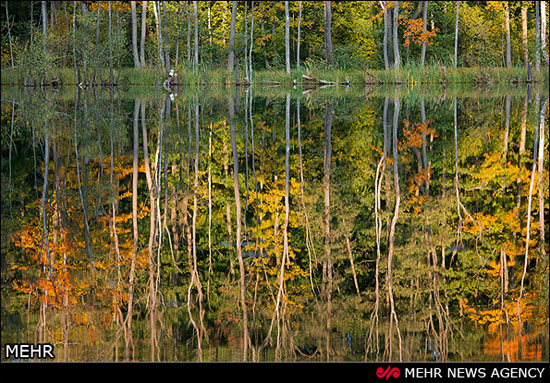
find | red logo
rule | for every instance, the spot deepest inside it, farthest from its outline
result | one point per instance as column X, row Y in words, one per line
column 388, row 372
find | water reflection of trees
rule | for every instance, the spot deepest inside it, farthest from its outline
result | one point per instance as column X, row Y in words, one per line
column 392, row 230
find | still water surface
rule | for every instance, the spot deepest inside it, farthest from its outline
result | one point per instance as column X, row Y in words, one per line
column 274, row 224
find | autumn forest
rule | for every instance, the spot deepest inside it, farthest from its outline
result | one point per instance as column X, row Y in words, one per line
column 242, row 181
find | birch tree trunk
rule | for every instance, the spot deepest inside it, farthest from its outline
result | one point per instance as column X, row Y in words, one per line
column 537, row 34
column 543, row 31
column 134, row 34
column 424, row 27
column 44, row 23
column 508, row 44
column 143, row 32
column 231, row 58
column 299, row 35
column 251, row 45
column 524, row 34
column 397, row 58
column 196, row 46
column 456, row 34
column 287, row 39
column 328, row 33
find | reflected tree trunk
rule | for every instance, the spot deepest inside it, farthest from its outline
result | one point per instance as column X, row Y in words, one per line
column 541, row 182
column 242, row 275
column 529, row 205
column 129, row 349
column 327, row 264
column 389, row 274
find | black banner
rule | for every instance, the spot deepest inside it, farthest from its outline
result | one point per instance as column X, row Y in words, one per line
column 363, row 372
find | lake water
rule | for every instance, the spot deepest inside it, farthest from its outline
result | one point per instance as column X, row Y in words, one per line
column 276, row 224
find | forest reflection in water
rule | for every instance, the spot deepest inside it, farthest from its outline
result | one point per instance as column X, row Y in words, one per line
column 273, row 224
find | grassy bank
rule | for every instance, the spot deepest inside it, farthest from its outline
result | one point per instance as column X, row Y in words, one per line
column 408, row 75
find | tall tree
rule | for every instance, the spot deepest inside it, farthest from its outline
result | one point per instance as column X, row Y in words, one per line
column 387, row 22
column 299, row 35
column 543, row 31
column 231, row 58
column 143, row 33
column 287, row 39
column 397, row 59
column 524, row 34
column 537, row 34
column 196, row 46
column 44, row 23
column 424, row 27
column 134, row 34
column 328, row 33
column 508, row 43
column 456, row 34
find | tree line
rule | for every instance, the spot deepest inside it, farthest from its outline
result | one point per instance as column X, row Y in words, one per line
column 281, row 36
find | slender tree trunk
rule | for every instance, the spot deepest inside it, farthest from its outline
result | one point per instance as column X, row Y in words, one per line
column 159, row 32
column 188, row 12
column 299, row 35
column 74, row 44
column 111, row 76
column 287, row 39
column 231, row 59
column 196, row 46
column 328, row 33
column 543, row 31
column 143, row 33
column 386, row 30
column 424, row 27
column 165, row 45
column 508, row 43
column 537, row 34
column 397, row 58
column 134, row 34
column 246, row 67
column 456, row 35
column 44, row 23
column 524, row 34
column 251, row 45
column 9, row 34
